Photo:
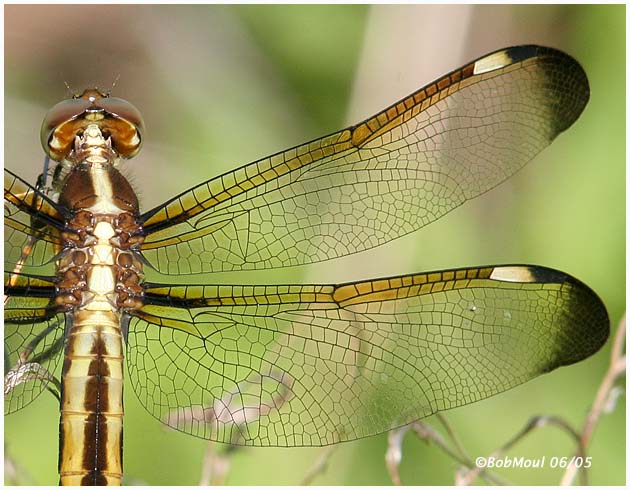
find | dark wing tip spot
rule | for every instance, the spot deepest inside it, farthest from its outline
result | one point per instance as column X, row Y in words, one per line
column 547, row 275
column 566, row 84
column 569, row 86
column 579, row 325
column 586, row 325
column 521, row 53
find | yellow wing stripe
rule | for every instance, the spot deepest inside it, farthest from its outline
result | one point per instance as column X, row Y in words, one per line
column 337, row 296
column 258, row 173
column 20, row 194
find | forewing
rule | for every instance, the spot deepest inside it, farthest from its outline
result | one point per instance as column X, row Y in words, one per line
column 315, row 365
column 383, row 178
column 31, row 228
column 33, row 339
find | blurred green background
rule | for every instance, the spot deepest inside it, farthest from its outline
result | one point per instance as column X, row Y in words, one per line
column 221, row 86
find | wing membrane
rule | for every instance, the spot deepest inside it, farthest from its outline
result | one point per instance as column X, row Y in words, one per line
column 315, row 365
column 383, row 178
column 31, row 225
column 33, row 339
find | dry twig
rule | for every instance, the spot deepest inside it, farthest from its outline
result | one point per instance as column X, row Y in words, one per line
column 427, row 433
column 320, row 465
column 216, row 465
column 534, row 423
column 603, row 400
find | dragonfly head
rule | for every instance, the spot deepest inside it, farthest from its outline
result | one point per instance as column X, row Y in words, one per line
column 116, row 118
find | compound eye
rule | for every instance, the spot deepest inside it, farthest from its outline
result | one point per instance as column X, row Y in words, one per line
column 124, row 124
column 56, row 141
column 124, row 110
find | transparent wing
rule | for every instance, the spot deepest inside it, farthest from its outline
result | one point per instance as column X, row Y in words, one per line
column 31, row 228
column 371, row 183
column 315, row 365
column 33, row 340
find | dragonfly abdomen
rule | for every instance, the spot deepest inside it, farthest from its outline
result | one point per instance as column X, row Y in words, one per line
column 91, row 401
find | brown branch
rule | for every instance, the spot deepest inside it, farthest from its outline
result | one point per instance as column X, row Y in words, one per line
column 534, row 423
column 603, row 398
column 451, row 433
column 216, row 465
column 393, row 456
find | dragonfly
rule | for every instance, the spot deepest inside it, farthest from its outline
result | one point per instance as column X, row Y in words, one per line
column 284, row 364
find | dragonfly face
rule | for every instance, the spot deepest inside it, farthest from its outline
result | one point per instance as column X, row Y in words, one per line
column 116, row 118
column 286, row 365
